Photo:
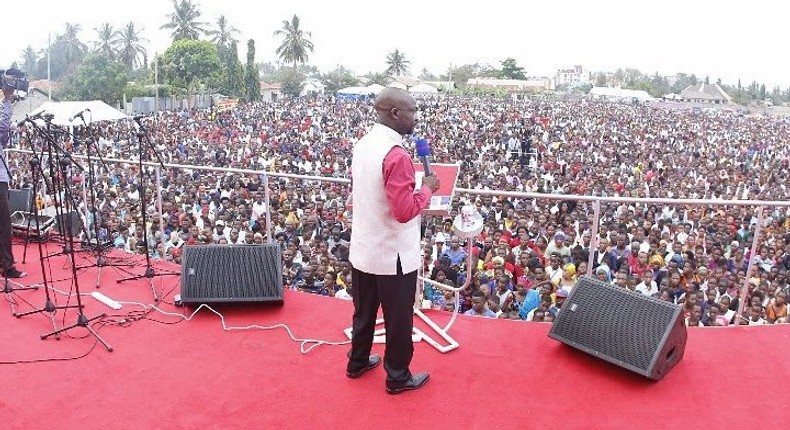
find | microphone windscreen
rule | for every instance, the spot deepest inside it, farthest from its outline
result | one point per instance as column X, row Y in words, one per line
column 422, row 147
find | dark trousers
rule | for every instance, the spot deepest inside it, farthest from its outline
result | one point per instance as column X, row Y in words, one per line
column 6, row 254
column 395, row 294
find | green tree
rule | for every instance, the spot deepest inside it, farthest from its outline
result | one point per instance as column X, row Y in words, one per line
column 426, row 75
column 296, row 43
column 310, row 71
column 291, row 81
column 99, row 77
column 267, row 69
column 252, row 78
column 659, row 85
column 461, row 74
column 378, row 78
column 132, row 52
column 106, row 41
column 66, row 53
column 29, row 61
column 233, row 72
column 632, row 77
column 397, row 64
column 338, row 79
column 190, row 64
column 185, row 21
column 511, row 70
column 776, row 95
column 600, row 79
column 618, row 78
column 224, row 34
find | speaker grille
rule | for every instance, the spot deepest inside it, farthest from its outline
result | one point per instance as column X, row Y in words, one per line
column 232, row 273
column 20, row 200
column 621, row 326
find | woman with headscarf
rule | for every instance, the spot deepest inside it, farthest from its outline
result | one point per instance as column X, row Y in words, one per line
column 568, row 278
column 603, row 273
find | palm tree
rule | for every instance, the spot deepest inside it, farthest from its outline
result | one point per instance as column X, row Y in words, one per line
column 397, row 64
column 295, row 43
column 131, row 50
column 106, row 40
column 71, row 47
column 223, row 35
column 184, row 21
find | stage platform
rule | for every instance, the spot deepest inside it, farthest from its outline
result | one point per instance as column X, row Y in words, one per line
column 168, row 373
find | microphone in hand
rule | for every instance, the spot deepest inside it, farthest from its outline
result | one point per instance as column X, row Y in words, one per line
column 424, row 154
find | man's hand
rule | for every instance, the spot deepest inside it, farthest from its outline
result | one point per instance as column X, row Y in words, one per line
column 431, row 182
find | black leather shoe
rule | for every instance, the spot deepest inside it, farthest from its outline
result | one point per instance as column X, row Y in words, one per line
column 373, row 362
column 14, row 273
column 414, row 383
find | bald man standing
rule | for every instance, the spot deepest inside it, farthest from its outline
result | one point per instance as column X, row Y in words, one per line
column 385, row 244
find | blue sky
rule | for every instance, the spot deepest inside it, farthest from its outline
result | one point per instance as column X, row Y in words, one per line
column 702, row 37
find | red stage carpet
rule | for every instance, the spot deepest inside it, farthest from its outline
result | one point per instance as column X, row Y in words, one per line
column 506, row 374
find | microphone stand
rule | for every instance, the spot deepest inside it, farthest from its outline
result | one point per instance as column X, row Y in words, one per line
column 49, row 306
column 56, row 155
column 82, row 319
column 150, row 273
column 101, row 259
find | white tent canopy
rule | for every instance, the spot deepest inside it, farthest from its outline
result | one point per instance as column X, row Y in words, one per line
column 375, row 88
column 423, row 89
column 396, row 84
column 358, row 91
column 94, row 110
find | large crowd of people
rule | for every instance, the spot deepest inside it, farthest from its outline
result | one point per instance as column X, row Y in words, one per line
column 531, row 251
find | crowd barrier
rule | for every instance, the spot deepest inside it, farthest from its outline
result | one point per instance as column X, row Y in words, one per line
column 596, row 201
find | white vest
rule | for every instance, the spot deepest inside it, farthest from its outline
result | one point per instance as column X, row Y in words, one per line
column 377, row 238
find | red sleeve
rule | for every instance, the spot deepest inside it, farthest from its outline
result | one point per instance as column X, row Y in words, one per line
column 399, row 182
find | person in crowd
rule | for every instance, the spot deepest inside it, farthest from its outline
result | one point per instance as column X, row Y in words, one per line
column 568, row 159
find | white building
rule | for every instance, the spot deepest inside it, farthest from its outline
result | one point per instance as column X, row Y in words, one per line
column 574, row 76
column 312, row 87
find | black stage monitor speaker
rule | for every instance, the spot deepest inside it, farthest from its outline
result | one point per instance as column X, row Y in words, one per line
column 232, row 274
column 20, row 200
column 70, row 220
column 626, row 328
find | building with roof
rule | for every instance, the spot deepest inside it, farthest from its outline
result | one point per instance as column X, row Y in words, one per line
column 705, row 93
column 312, row 87
column 270, row 92
column 571, row 77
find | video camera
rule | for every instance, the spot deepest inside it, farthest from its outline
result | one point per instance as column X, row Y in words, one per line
column 16, row 80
